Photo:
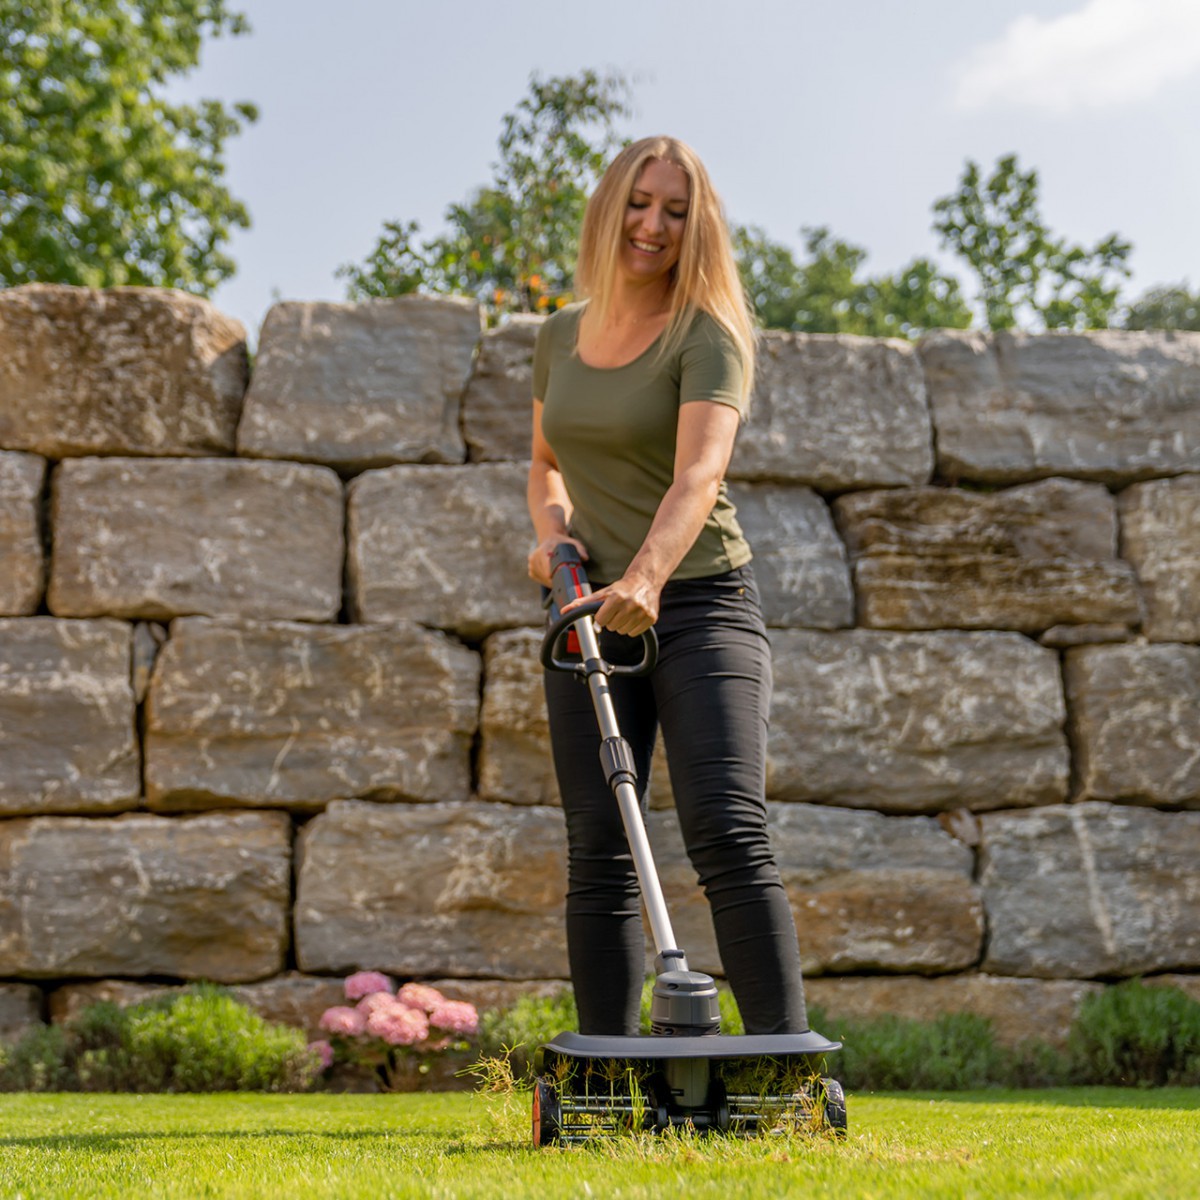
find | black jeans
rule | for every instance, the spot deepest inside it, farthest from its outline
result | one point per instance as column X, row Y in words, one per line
column 710, row 693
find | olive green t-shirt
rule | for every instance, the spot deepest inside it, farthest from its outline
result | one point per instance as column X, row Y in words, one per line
column 612, row 431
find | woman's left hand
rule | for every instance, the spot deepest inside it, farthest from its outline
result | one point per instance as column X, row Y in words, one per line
column 630, row 606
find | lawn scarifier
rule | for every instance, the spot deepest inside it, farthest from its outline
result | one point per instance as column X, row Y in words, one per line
column 680, row 1076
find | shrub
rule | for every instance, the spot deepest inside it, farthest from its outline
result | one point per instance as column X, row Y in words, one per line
column 198, row 1040
column 1132, row 1034
column 515, row 1033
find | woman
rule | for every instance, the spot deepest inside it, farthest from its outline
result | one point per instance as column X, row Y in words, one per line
column 638, row 394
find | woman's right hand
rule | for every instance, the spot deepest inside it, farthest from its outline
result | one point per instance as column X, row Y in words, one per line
column 539, row 556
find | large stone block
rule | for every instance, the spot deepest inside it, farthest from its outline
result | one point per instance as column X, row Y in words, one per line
column 210, row 536
column 288, row 999
column 514, row 750
column 515, row 765
column 916, row 722
column 1019, row 1009
column 1160, row 535
column 836, row 412
column 361, row 385
column 1135, row 722
column 869, row 892
column 20, row 1010
column 1091, row 890
column 295, row 715
column 1114, row 406
column 445, row 546
column 799, row 560
column 1028, row 558
column 21, row 478
column 67, row 724
column 201, row 897
column 498, row 402
column 133, row 370
column 444, row 889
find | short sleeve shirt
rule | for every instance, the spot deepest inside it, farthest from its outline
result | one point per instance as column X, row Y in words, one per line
column 613, row 430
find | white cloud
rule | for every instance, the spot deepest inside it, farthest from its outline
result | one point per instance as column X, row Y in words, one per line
column 1108, row 52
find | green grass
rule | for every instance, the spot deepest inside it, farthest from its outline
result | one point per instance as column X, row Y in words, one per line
column 1069, row 1142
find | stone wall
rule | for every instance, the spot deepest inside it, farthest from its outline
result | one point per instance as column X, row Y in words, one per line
column 269, row 708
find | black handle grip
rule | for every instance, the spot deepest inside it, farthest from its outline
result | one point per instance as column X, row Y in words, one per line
column 568, row 581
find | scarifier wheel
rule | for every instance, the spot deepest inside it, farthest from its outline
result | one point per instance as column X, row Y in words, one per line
column 547, row 1114
column 835, row 1106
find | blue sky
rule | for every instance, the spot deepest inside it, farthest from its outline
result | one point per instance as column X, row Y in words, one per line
column 856, row 115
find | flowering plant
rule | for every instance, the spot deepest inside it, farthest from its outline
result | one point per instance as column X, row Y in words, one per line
column 393, row 1032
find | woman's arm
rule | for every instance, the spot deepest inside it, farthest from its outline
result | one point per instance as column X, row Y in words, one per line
column 549, row 505
column 703, row 446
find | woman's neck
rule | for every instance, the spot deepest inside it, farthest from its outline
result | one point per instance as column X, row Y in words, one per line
column 633, row 303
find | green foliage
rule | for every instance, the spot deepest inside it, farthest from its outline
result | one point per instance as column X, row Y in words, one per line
column 1165, row 308
column 515, row 1033
column 1129, row 1034
column 199, row 1040
column 1023, row 270
column 1132, row 1034
column 824, row 294
column 513, row 243
column 102, row 181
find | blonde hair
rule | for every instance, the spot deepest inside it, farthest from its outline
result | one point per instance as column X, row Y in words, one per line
column 704, row 279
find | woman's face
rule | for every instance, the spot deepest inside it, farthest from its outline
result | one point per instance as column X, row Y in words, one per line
column 654, row 221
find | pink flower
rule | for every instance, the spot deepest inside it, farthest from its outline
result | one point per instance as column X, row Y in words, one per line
column 376, row 1002
column 363, row 983
column 398, row 1025
column 420, row 996
column 348, row 1022
column 324, row 1051
column 455, row 1016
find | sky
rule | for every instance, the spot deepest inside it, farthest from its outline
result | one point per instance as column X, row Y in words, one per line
column 852, row 114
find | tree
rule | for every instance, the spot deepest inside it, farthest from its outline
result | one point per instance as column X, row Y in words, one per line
column 1023, row 270
column 102, row 182
column 513, row 243
column 825, row 295
column 1168, row 307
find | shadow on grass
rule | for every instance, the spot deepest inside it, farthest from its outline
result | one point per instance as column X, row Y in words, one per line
column 1082, row 1097
column 111, row 1142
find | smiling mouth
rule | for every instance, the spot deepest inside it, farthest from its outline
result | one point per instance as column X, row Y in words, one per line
column 645, row 247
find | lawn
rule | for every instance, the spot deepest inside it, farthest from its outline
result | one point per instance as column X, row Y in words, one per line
column 1070, row 1142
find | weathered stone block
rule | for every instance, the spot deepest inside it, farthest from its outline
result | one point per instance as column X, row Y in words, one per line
column 201, row 897
column 20, row 1010
column 288, row 999
column 211, row 536
column 799, row 560
column 67, row 736
column 1114, row 406
column 1091, row 890
column 1135, row 722
column 836, row 412
column 21, row 478
column 515, row 764
column 514, row 753
column 445, row 546
column 916, row 722
column 1160, row 535
column 133, row 370
column 869, row 892
column 497, row 405
column 436, row 890
column 287, row 714
column 1027, row 558
column 361, row 385
column 1019, row 1009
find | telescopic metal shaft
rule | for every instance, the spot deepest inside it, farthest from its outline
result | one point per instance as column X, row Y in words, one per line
column 627, row 801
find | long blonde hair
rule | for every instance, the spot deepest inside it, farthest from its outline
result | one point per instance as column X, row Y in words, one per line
column 705, row 278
